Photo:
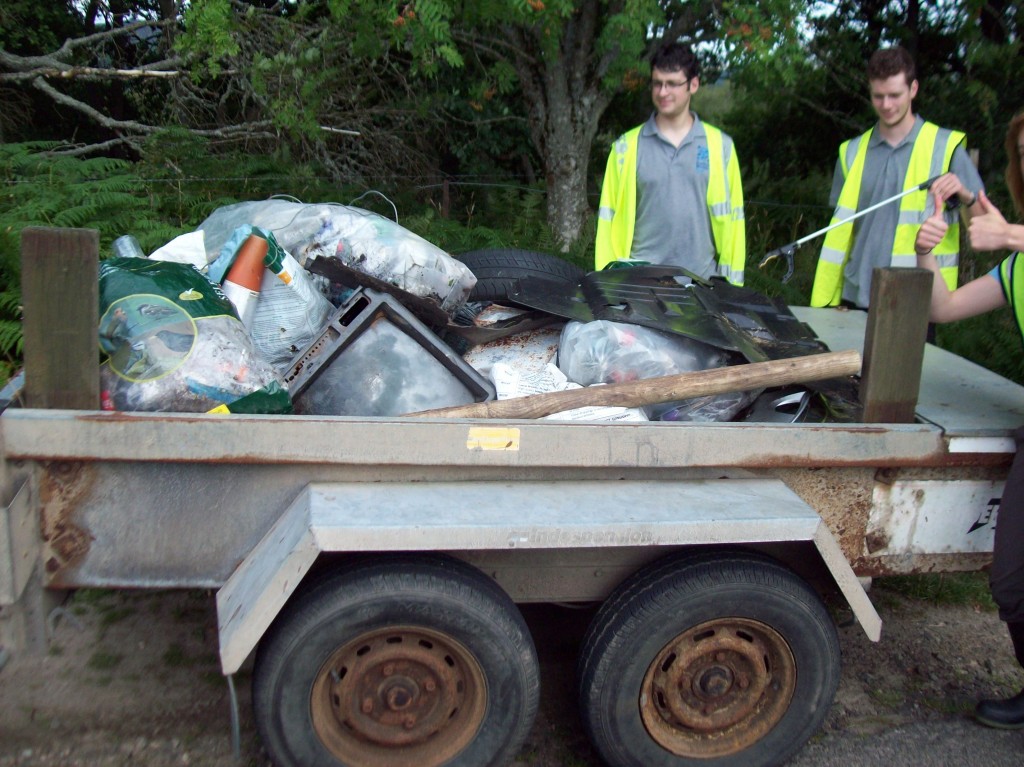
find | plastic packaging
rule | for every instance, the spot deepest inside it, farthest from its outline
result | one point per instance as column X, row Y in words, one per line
column 242, row 283
column 126, row 246
column 611, row 352
column 357, row 239
column 173, row 343
column 291, row 309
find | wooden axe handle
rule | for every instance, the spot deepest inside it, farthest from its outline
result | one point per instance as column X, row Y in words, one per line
column 649, row 391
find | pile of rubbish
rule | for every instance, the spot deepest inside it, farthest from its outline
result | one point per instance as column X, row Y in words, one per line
column 280, row 307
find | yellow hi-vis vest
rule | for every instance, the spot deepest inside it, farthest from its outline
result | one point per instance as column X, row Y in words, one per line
column 930, row 157
column 1011, row 275
column 616, row 217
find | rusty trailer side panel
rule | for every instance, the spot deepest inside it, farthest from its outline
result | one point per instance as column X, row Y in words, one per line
column 176, row 500
column 137, row 499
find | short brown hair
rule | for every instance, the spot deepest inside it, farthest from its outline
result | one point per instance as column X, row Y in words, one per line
column 889, row 62
column 1014, row 179
column 676, row 57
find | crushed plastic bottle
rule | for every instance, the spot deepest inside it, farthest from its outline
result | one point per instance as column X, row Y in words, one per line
column 126, row 246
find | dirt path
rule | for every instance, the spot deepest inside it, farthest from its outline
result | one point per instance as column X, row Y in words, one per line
column 133, row 679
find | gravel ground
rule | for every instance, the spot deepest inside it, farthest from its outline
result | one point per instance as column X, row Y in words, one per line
column 132, row 678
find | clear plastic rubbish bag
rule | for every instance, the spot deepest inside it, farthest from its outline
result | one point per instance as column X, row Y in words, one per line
column 612, row 352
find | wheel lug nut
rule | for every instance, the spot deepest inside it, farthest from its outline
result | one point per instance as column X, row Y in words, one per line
column 367, row 705
column 409, row 723
column 388, row 669
column 429, row 684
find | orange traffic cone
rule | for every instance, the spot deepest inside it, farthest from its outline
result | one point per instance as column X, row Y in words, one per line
column 242, row 284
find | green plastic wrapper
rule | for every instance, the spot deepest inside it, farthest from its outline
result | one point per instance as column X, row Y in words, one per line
column 172, row 343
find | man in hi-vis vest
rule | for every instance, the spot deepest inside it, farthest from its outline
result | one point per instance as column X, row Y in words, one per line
column 672, row 191
column 898, row 153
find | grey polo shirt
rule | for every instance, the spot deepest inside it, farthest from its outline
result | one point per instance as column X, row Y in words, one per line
column 673, row 225
column 885, row 168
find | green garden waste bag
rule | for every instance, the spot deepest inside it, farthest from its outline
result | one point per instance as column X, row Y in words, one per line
column 172, row 342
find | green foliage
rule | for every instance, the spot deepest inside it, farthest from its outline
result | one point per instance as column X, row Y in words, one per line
column 488, row 218
column 208, row 36
column 29, row 27
column 178, row 185
column 969, row 588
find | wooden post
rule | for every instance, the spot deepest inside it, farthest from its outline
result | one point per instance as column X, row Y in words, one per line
column 60, row 295
column 894, row 344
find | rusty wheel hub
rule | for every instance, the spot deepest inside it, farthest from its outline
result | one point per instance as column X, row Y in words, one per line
column 718, row 688
column 398, row 697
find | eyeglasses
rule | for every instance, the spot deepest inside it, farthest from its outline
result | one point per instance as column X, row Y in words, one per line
column 657, row 85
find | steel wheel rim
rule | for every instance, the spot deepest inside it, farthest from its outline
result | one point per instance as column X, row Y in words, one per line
column 398, row 697
column 718, row 688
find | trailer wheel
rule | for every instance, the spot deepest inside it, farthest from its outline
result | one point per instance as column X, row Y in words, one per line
column 399, row 662
column 498, row 271
column 717, row 660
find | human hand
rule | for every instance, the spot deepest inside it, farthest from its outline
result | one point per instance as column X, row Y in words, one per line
column 988, row 230
column 933, row 229
column 948, row 185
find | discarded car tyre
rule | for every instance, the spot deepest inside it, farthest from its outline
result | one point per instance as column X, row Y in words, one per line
column 498, row 271
column 413, row 661
column 717, row 660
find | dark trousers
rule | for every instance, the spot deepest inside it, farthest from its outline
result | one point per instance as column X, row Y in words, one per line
column 1007, row 574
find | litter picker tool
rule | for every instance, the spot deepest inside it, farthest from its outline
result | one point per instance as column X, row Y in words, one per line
column 788, row 251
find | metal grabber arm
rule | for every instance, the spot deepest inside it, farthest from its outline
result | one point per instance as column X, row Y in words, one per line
column 788, row 251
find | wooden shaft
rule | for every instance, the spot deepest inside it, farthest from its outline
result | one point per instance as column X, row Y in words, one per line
column 755, row 375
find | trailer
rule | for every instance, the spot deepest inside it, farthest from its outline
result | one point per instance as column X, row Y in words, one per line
column 370, row 568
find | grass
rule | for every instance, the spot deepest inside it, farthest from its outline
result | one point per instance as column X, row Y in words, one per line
column 176, row 656
column 889, row 698
column 948, row 705
column 952, row 589
column 104, row 661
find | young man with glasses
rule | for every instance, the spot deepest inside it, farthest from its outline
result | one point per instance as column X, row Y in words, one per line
column 672, row 192
column 898, row 153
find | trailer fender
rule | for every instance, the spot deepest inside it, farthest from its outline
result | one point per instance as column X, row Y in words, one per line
column 502, row 516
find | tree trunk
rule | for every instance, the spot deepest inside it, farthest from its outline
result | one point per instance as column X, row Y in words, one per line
column 561, row 87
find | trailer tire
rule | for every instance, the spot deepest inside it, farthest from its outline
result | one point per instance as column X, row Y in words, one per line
column 411, row 661
column 716, row 659
column 498, row 271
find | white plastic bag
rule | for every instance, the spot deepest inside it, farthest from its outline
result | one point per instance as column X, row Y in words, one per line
column 357, row 238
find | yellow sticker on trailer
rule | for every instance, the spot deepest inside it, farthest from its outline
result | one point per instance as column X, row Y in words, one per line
column 488, row 438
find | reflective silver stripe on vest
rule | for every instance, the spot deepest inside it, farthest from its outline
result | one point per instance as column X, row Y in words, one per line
column 843, row 212
column 939, row 155
column 912, row 217
column 606, row 214
column 907, row 261
column 833, row 256
column 851, row 152
column 726, row 149
column 733, row 275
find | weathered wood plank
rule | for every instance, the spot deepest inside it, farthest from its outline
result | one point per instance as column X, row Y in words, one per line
column 60, row 293
column 894, row 344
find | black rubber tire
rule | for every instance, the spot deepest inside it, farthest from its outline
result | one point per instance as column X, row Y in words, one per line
column 357, row 617
column 639, row 626
column 498, row 271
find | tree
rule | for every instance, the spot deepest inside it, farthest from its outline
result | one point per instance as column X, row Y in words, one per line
column 567, row 59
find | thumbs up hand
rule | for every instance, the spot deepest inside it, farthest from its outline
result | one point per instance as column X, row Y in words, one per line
column 988, row 230
column 932, row 230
